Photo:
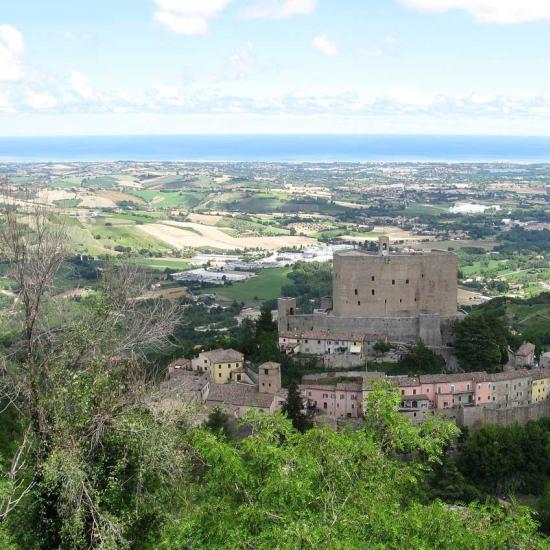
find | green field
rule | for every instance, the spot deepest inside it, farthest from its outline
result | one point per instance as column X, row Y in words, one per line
column 67, row 203
column 171, row 199
column 478, row 268
column 99, row 182
column 425, row 210
column 163, row 263
column 267, row 285
column 532, row 320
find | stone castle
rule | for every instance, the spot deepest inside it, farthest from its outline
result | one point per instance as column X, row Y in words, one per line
column 396, row 297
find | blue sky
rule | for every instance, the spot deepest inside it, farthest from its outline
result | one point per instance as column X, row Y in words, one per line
column 274, row 66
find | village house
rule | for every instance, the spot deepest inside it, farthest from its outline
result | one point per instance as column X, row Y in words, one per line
column 511, row 388
column 523, row 357
column 541, row 382
column 218, row 363
column 264, row 395
column 316, row 342
column 184, row 383
column 340, row 400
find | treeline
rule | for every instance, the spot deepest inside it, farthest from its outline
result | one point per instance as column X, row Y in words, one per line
column 309, row 283
column 498, row 462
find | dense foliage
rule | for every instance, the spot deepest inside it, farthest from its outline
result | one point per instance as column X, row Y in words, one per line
column 422, row 360
column 327, row 489
column 310, row 282
column 481, row 343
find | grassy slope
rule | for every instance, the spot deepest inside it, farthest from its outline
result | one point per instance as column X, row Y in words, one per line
column 266, row 285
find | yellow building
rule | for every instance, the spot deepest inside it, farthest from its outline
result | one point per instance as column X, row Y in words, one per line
column 539, row 388
column 219, row 363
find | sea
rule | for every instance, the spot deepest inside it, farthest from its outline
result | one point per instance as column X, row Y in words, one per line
column 278, row 148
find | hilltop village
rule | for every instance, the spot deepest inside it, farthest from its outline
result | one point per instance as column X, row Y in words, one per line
column 395, row 298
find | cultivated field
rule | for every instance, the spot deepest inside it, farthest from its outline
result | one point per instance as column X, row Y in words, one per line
column 194, row 235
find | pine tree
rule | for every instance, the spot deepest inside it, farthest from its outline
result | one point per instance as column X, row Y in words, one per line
column 218, row 422
column 293, row 408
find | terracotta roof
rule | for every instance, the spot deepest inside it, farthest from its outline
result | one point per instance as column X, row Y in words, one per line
column 482, row 376
column 239, row 395
column 182, row 363
column 405, row 382
column 445, row 378
column 509, row 375
column 539, row 374
column 525, row 349
column 223, row 356
column 332, row 336
column 420, row 397
column 270, row 365
column 342, row 386
column 186, row 381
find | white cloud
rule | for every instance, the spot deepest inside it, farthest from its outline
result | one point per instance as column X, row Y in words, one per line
column 168, row 95
column 80, row 85
column 280, row 9
column 41, row 101
column 488, row 11
column 325, row 45
column 411, row 98
column 378, row 49
column 188, row 16
column 5, row 105
column 12, row 47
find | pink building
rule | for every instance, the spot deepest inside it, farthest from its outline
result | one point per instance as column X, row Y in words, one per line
column 445, row 391
column 482, row 388
column 343, row 400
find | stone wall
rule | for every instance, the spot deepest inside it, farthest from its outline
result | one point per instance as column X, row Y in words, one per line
column 395, row 285
column 432, row 329
column 475, row 417
column 343, row 360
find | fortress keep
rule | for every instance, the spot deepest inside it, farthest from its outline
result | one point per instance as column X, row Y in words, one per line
column 397, row 297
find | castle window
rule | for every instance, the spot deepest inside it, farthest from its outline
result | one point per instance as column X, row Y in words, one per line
column 422, row 275
column 372, row 291
column 407, row 281
column 356, row 292
column 400, row 300
column 266, row 371
column 372, row 278
column 358, row 303
column 393, row 281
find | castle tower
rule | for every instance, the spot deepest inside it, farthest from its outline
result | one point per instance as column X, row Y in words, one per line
column 383, row 245
column 269, row 377
column 286, row 308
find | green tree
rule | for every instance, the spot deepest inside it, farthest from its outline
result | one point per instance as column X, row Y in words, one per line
column 481, row 343
column 293, row 408
column 218, row 422
column 422, row 360
column 265, row 323
column 96, row 465
column 334, row 489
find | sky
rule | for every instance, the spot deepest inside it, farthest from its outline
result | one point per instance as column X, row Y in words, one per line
column 274, row 66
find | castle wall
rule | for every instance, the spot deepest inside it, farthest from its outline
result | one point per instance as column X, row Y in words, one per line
column 395, row 285
column 475, row 417
column 432, row 329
